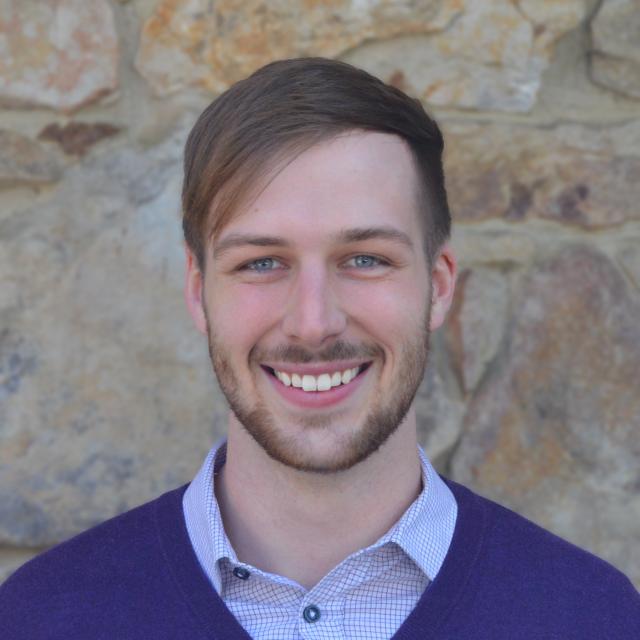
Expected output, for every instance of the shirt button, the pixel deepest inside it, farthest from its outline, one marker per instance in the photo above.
(241, 572)
(311, 613)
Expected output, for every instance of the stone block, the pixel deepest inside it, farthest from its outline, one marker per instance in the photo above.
(552, 431)
(573, 174)
(476, 54)
(106, 393)
(615, 58)
(25, 161)
(60, 54)
(439, 407)
(475, 326)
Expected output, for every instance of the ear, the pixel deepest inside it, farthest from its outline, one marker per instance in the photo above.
(443, 284)
(193, 291)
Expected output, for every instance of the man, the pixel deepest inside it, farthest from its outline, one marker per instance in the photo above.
(316, 226)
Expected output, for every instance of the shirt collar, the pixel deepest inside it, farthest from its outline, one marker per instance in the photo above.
(423, 532)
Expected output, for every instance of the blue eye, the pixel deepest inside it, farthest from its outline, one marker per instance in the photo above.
(262, 265)
(366, 262)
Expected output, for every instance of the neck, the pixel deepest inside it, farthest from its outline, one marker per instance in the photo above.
(301, 525)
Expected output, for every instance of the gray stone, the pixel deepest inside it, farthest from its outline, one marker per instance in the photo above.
(107, 396)
(629, 257)
(439, 407)
(552, 430)
(615, 60)
(476, 323)
(620, 75)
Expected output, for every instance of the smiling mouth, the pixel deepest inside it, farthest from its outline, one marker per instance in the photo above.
(320, 383)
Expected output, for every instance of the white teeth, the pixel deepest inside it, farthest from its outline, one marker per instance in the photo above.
(285, 379)
(323, 382)
(309, 383)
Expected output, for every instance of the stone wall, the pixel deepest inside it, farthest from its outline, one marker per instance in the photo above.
(532, 397)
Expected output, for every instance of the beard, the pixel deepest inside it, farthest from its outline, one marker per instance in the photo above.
(352, 445)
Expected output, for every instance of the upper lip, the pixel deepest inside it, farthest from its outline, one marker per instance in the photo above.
(315, 369)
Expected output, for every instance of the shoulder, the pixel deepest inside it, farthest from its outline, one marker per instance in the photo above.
(543, 577)
(103, 570)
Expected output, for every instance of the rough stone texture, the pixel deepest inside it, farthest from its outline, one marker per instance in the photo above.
(24, 161)
(56, 53)
(552, 431)
(481, 54)
(476, 322)
(489, 246)
(629, 257)
(439, 408)
(106, 396)
(76, 138)
(491, 56)
(572, 174)
(615, 60)
(211, 45)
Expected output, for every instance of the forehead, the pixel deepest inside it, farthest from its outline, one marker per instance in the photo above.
(357, 179)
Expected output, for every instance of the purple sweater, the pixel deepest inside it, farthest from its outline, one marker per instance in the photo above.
(136, 577)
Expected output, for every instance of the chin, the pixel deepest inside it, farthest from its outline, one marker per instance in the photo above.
(320, 445)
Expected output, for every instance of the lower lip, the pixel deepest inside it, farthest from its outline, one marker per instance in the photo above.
(317, 399)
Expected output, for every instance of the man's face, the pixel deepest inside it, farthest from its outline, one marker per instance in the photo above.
(322, 282)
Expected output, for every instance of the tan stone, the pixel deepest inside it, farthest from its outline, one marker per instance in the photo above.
(615, 59)
(572, 174)
(494, 55)
(498, 247)
(481, 54)
(552, 431)
(60, 54)
(24, 161)
(211, 45)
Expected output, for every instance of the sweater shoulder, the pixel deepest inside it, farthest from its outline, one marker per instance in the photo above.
(527, 570)
(108, 567)
(540, 550)
(80, 555)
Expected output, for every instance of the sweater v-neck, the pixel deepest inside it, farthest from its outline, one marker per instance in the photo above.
(429, 614)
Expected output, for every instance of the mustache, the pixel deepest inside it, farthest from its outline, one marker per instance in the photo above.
(339, 350)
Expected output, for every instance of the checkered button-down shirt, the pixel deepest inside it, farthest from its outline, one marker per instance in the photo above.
(368, 595)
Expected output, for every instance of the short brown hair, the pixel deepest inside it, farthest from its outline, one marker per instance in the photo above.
(284, 108)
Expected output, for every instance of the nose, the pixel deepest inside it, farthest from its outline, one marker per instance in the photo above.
(313, 313)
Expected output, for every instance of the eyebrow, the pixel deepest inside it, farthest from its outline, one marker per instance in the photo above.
(345, 236)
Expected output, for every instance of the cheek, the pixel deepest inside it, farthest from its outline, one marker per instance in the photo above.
(242, 316)
(389, 311)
